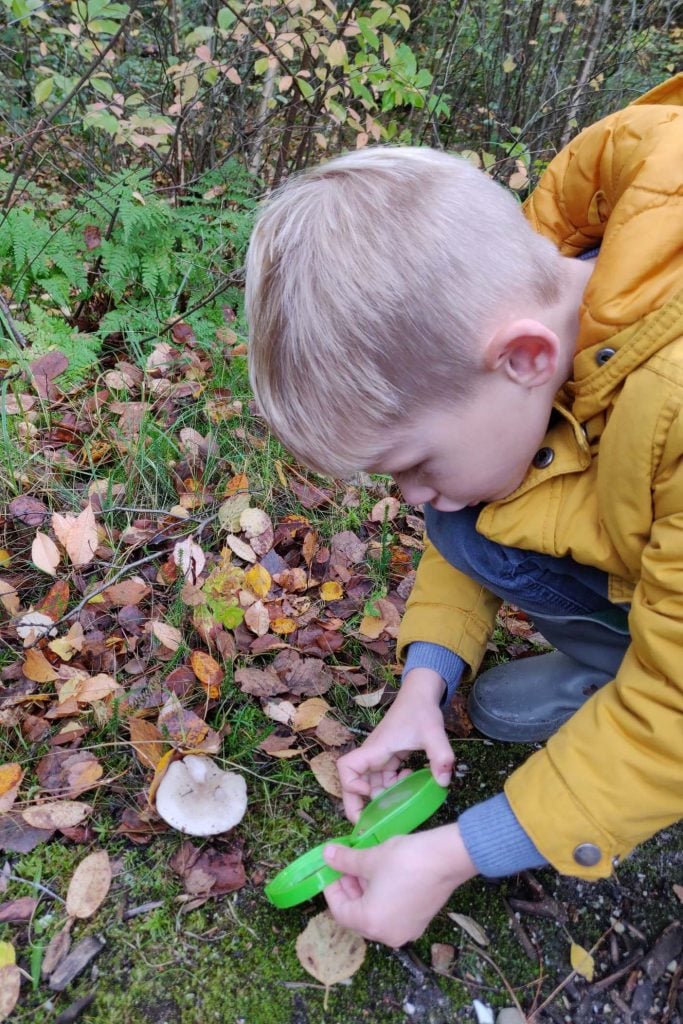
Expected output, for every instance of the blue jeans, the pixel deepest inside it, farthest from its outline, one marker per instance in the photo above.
(538, 584)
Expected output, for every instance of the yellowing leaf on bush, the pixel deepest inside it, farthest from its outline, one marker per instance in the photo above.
(331, 591)
(208, 672)
(258, 580)
(582, 962)
(89, 885)
(336, 54)
(328, 951)
(38, 668)
(78, 534)
(45, 553)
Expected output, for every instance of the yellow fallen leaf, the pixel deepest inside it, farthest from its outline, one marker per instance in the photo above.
(38, 668)
(309, 713)
(371, 626)
(7, 954)
(331, 591)
(582, 962)
(258, 580)
(208, 672)
(10, 779)
(283, 626)
(5, 558)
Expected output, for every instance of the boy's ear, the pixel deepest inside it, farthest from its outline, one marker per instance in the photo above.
(526, 350)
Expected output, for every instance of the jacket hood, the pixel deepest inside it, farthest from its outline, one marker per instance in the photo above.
(619, 185)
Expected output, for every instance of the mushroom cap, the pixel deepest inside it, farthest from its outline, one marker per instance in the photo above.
(197, 797)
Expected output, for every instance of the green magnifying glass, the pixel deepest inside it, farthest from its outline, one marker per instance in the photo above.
(395, 812)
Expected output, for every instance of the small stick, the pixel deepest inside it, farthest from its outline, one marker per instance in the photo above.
(14, 330)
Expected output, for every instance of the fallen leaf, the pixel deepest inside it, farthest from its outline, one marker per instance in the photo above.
(332, 733)
(89, 885)
(56, 950)
(328, 951)
(241, 548)
(371, 626)
(369, 700)
(38, 668)
(63, 814)
(208, 870)
(324, 767)
(34, 626)
(258, 580)
(189, 558)
(169, 636)
(582, 962)
(230, 512)
(309, 713)
(8, 954)
(469, 925)
(18, 911)
(678, 889)
(260, 682)
(45, 553)
(78, 534)
(208, 672)
(443, 956)
(10, 986)
(147, 741)
(130, 592)
(10, 780)
(282, 711)
(29, 510)
(386, 508)
(256, 618)
(331, 591)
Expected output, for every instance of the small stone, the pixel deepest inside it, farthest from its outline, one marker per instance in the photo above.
(484, 1013)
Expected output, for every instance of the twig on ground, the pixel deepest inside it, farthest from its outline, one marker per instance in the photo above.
(36, 885)
(11, 325)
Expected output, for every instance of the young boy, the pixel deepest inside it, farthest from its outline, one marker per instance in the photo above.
(521, 375)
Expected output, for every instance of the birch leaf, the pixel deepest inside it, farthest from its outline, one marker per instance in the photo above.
(582, 962)
(45, 553)
(89, 885)
(78, 534)
(329, 952)
(473, 929)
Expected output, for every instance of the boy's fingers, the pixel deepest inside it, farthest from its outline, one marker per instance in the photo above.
(441, 758)
(348, 912)
(353, 805)
(350, 862)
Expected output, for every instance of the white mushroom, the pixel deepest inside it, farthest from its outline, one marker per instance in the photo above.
(197, 797)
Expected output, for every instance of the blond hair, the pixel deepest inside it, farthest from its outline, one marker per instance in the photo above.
(370, 281)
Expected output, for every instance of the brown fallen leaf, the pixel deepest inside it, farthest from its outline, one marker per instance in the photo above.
(56, 950)
(130, 592)
(332, 733)
(29, 510)
(328, 951)
(78, 534)
(19, 910)
(257, 619)
(260, 682)
(55, 602)
(45, 553)
(18, 837)
(89, 885)
(386, 508)
(208, 870)
(147, 741)
(324, 767)
(169, 636)
(208, 672)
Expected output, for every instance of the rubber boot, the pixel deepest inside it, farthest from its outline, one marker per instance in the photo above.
(527, 700)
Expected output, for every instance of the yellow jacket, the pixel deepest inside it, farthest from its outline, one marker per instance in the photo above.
(612, 497)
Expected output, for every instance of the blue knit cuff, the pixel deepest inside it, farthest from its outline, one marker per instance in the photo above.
(495, 840)
(447, 663)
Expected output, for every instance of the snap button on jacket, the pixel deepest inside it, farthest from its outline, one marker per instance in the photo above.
(610, 497)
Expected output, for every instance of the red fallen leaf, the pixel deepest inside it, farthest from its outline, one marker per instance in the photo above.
(18, 910)
(260, 682)
(79, 834)
(18, 837)
(209, 871)
(456, 718)
(55, 601)
(92, 236)
(309, 494)
(180, 681)
(29, 510)
(182, 333)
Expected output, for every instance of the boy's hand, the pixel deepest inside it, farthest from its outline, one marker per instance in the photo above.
(390, 893)
(413, 722)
